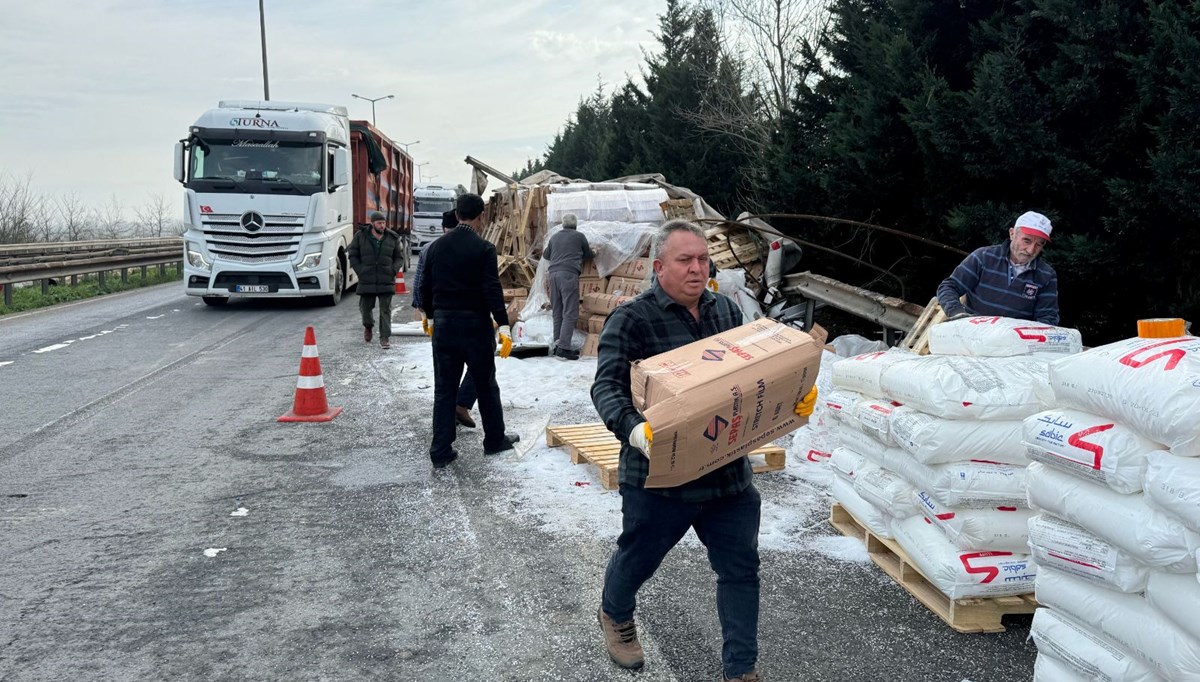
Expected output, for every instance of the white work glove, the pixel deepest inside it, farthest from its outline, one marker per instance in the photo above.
(641, 437)
(505, 341)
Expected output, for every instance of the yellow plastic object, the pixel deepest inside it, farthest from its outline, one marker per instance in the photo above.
(805, 407)
(649, 433)
(712, 285)
(1161, 328)
(505, 346)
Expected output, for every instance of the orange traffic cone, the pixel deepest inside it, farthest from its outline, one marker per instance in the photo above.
(310, 404)
(400, 288)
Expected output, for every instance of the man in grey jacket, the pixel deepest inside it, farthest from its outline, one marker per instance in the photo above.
(567, 250)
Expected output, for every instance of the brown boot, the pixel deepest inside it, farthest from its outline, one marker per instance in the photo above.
(622, 641)
(751, 676)
(367, 334)
(463, 416)
(384, 343)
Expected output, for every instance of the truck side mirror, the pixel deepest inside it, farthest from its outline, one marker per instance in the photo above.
(341, 167)
(179, 156)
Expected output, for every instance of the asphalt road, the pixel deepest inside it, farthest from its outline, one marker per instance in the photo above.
(133, 428)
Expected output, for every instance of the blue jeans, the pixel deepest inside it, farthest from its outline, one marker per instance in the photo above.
(728, 526)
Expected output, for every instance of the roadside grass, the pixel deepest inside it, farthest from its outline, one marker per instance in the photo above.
(88, 286)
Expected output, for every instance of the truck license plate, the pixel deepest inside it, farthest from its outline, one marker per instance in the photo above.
(252, 289)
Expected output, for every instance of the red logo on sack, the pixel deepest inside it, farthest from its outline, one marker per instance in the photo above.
(989, 573)
(1040, 338)
(1077, 440)
(984, 320)
(814, 455)
(1174, 355)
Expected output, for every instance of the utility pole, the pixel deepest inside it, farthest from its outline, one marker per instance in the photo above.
(372, 101)
(262, 28)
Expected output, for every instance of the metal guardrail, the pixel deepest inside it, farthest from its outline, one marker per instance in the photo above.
(53, 260)
(888, 311)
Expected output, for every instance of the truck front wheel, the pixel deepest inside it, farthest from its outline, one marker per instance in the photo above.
(338, 282)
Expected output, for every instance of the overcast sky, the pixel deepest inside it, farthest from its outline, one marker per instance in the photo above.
(94, 93)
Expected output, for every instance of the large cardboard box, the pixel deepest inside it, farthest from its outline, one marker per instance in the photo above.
(595, 323)
(603, 304)
(588, 268)
(715, 400)
(514, 309)
(591, 285)
(590, 345)
(636, 268)
(626, 286)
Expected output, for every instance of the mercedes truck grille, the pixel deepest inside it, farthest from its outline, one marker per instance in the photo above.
(252, 237)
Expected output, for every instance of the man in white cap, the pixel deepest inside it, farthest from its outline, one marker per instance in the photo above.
(1008, 279)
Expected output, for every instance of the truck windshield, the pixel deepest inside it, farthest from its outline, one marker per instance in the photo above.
(431, 205)
(247, 165)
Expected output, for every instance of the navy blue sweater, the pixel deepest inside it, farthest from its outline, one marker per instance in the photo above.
(991, 286)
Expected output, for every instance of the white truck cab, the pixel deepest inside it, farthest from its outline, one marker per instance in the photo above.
(267, 201)
(430, 202)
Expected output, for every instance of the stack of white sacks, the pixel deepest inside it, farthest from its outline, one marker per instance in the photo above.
(1116, 479)
(931, 452)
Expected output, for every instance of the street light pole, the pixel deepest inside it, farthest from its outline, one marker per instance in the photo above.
(262, 29)
(405, 144)
(372, 101)
(419, 170)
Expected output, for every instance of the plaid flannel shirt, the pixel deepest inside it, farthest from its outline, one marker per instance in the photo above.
(650, 324)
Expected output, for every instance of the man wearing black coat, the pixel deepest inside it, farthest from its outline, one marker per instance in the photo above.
(376, 256)
(461, 296)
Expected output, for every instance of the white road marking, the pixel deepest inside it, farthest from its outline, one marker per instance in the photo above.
(213, 551)
(241, 511)
(7, 362)
(155, 317)
(56, 346)
(64, 344)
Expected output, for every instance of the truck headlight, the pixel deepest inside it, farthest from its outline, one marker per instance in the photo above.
(196, 259)
(311, 260)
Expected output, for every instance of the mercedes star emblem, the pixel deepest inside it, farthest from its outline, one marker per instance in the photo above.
(252, 221)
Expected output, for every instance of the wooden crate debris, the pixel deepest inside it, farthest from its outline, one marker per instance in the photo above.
(515, 221)
(917, 338)
(964, 615)
(595, 444)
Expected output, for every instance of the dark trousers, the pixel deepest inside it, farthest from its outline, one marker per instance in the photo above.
(564, 306)
(366, 306)
(464, 339)
(466, 392)
(728, 526)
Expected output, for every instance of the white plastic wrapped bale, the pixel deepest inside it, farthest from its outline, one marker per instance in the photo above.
(1150, 536)
(959, 574)
(861, 373)
(866, 513)
(1087, 655)
(1127, 619)
(848, 462)
(874, 417)
(954, 387)
(1178, 597)
(999, 337)
(1150, 385)
(1071, 548)
(1088, 446)
(1173, 485)
(1047, 669)
(886, 490)
(933, 440)
(838, 403)
(969, 485)
(645, 206)
(1000, 529)
(864, 444)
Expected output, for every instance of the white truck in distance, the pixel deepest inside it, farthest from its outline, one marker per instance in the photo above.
(430, 202)
(273, 191)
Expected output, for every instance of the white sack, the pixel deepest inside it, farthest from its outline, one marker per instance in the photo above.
(1000, 529)
(886, 490)
(1085, 445)
(864, 512)
(849, 345)
(861, 373)
(873, 416)
(1173, 485)
(973, 485)
(956, 387)
(1126, 619)
(933, 440)
(1085, 653)
(1150, 536)
(838, 403)
(864, 444)
(1070, 548)
(958, 574)
(1150, 385)
(1178, 597)
(812, 444)
(1047, 669)
(848, 462)
(999, 337)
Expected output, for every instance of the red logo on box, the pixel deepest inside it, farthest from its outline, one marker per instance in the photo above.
(715, 427)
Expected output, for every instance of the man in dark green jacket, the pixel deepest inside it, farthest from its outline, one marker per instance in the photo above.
(376, 256)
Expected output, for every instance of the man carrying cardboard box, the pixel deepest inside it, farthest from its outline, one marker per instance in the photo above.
(722, 506)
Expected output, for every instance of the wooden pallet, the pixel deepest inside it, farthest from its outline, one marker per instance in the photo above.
(595, 444)
(917, 338)
(964, 615)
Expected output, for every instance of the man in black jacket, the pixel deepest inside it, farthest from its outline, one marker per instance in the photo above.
(376, 256)
(461, 295)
